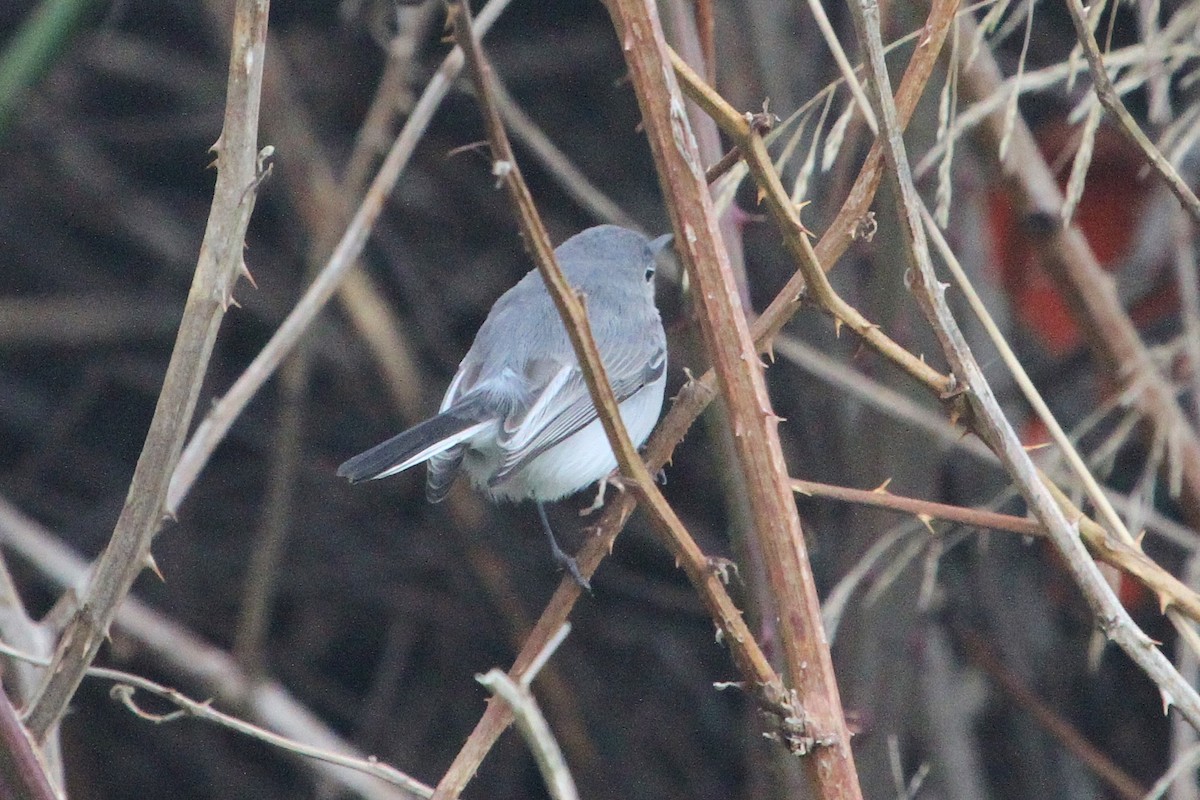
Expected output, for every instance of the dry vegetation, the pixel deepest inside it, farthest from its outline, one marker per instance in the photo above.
(1005, 622)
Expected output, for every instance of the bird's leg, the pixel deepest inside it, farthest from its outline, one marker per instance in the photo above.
(564, 561)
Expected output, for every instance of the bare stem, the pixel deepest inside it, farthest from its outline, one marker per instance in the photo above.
(695, 396)
(749, 657)
(988, 419)
(729, 344)
(1125, 122)
(218, 268)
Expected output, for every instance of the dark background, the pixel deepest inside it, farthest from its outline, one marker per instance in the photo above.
(386, 607)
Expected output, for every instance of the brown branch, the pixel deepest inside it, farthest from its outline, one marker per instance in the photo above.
(695, 396)
(218, 268)
(569, 303)
(1067, 734)
(23, 773)
(1126, 123)
(1171, 592)
(924, 509)
(728, 342)
(987, 418)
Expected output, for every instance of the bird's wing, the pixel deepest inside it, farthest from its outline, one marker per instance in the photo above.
(564, 407)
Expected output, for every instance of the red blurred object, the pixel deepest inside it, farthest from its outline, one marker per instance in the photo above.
(1113, 216)
(1109, 215)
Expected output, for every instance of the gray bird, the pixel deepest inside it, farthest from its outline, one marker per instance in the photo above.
(517, 418)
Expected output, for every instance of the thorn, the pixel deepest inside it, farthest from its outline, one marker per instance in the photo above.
(152, 565)
(263, 168)
(1164, 602)
(759, 196)
(501, 170)
(1167, 701)
(245, 273)
(1032, 448)
(798, 207)
(837, 327)
(927, 521)
(882, 488)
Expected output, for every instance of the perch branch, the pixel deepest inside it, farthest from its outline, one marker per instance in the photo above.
(570, 306)
(829, 763)
(695, 396)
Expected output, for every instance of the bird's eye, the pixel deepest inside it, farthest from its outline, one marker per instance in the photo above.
(649, 274)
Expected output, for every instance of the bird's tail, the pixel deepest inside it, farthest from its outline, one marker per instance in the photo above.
(419, 443)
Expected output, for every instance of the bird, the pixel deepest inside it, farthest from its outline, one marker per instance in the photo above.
(517, 418)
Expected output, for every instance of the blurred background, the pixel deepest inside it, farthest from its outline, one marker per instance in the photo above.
(967, 660)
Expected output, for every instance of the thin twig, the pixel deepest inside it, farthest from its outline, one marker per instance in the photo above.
(536, 732)
(926, 510)
(220, 418)
(1171, 592)
(1121, 782)
(532, 723)
(182, 654)
(239, 172)
(1126, 123)
(843, 63)
(128, 683)
(988, 418)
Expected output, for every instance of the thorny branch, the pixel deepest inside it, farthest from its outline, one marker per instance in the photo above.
(695, 396)
(239, 173)
(742, 643)
(988, 419)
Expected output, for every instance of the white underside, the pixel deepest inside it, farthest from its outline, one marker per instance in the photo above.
(571, 465)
